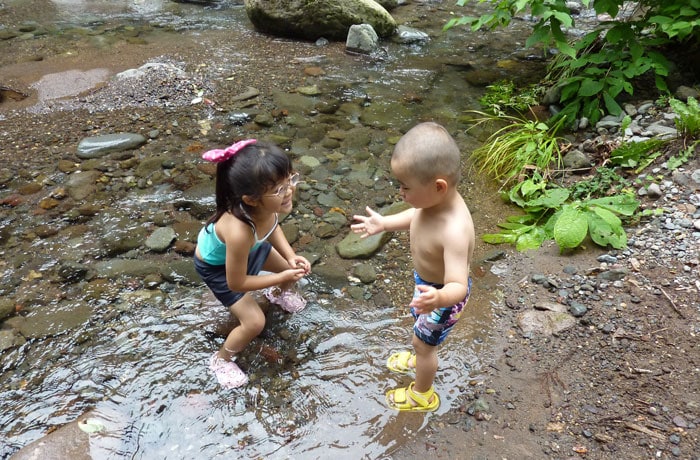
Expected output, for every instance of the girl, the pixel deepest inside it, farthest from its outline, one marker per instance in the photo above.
(254, 183)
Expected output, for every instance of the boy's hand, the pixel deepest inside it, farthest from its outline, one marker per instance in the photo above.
(368, 225)
(427, 301)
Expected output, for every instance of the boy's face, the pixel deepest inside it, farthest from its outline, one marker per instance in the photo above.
(412, 191)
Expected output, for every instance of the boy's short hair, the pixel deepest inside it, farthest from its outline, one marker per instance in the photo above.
(429, 152)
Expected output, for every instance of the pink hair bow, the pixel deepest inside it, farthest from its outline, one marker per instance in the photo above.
(219, 155)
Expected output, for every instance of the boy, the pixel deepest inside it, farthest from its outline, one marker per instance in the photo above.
(426, 163)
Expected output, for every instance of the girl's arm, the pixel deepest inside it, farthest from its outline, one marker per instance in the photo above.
(239, 240)
(279, 242)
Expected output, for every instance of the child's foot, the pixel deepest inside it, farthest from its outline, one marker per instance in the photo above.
(402, 362)
(228, 374)
(290, 300)
(408, 399)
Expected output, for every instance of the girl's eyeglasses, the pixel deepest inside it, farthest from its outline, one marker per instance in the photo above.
(293, 181)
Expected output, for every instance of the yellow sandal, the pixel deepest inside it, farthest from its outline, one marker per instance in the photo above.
(398, 362)
(401, 399)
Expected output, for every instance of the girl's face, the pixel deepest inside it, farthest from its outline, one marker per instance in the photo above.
(279, 197)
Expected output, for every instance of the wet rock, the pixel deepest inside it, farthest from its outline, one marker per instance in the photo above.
(71, 272)
(180, 271)
(9, 338)
(161, 239)
(324, 18)
(130, 267)
(361, 39)
(365, 272)
(48, 321)
(7, 307)
(406, 35)
(82, 184)
(99, 146)
(353, 246)
(544, 322)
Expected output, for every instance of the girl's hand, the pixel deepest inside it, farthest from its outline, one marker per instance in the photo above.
(369, 225)
(427, 301)
(300, 262)
(293, 275)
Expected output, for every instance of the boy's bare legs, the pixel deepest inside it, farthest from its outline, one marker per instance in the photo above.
(252, 322)
(426, 364)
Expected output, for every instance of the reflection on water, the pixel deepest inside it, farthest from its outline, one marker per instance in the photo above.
(139, 360)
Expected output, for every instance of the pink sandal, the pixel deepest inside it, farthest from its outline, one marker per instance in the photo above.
(290, 300)
(228, 374)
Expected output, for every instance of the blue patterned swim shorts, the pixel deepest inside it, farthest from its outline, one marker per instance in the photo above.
(432, 328)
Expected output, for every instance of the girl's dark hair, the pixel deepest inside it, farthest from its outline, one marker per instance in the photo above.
(251, 171)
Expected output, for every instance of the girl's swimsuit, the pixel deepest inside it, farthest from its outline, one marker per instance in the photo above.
(212, 266)
(213, 250)
(432, 328)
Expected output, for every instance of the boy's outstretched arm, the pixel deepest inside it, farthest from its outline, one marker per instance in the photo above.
(374, 223)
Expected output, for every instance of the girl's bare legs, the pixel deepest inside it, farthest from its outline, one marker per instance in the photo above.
(252, 323)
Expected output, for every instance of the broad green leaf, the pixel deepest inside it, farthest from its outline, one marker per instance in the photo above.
(604, 234)
(571, 228)
(530, 240)
(590, 87)
(620, 204)
(607, 215)
(611, 105)
(499, 238)
(552, 198)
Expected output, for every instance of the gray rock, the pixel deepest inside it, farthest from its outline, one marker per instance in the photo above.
(99, 146)
(322, 18)
(161, 239)
(365, 272)
(81, 184)
(408, 35)
(362, 39)
(7, 307)
(577, 161)
(48, 321)
(353, 246)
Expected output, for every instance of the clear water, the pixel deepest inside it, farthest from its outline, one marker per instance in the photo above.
(138, 365)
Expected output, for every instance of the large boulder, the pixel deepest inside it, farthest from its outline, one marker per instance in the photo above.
(313, 19)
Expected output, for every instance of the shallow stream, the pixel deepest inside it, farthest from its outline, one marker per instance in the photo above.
(318, 378)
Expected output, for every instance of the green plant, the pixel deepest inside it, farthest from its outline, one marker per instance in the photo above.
(503, 97)
(605, 182)
(518, 145)
(550, 215)
(637, 155)
(592, 72)
(688, 121)
(683, 156)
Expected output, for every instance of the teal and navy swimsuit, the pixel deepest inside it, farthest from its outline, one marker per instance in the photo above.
(212, 266)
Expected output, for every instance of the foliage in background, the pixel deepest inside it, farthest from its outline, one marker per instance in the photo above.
(502, 98)
(636, 155)
(551, 214)
(595, 70)
(688, 121)
(518, 145)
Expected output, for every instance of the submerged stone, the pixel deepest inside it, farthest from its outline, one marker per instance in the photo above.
(99, 146)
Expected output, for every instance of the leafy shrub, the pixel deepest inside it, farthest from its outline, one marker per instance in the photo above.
(518, 145)
(688, 121)
(637, 155)
(550, 215)
(502, 98)
(592, 73)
